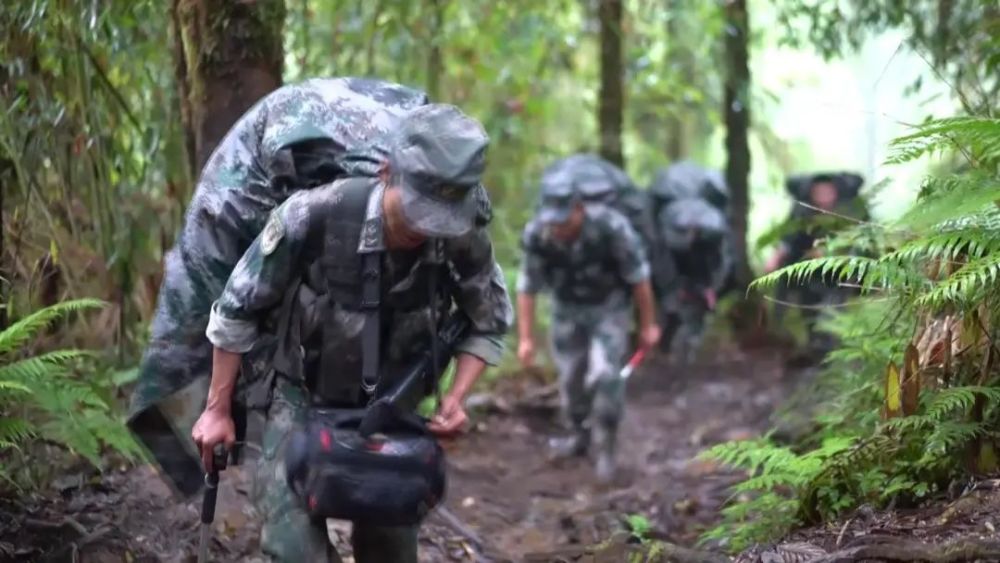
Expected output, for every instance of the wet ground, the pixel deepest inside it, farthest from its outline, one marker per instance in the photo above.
(506, 498)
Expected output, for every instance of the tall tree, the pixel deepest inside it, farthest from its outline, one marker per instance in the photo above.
(737, 119)
(230, 56)
(612, 95)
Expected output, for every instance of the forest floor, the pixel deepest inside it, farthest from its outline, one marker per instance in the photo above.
(507, 500)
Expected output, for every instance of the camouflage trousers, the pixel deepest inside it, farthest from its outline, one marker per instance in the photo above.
(288, 534)
(684, 321)
(588, 347)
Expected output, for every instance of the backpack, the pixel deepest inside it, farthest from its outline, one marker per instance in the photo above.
(598, 180)
(685, 180)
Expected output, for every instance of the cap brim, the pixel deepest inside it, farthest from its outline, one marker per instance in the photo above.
(550, 214)
(436, 218)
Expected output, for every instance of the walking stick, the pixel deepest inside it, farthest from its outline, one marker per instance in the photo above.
(208, 500)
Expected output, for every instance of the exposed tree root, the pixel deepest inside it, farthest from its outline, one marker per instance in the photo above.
(904, 550)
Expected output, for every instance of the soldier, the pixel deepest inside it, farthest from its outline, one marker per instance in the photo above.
(691, 205)
(298, 137)
(832, 204)
(299, 280)
(591, 259)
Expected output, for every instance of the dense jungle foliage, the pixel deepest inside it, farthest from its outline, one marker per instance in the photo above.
(96, 169)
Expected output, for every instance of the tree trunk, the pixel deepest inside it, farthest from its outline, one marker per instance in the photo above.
(435, 59)
(230, 56)
(612, 95)
(737, 118)
(677, 141)
(6, 171)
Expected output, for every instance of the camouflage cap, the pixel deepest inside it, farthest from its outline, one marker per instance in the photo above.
(438, 159)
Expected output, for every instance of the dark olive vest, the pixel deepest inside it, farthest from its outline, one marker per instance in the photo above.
(338, 369)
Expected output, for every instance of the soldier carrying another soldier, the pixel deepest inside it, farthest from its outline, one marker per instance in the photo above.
(338, 293)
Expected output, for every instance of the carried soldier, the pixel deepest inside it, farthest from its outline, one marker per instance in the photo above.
(695, 258)
(334, 297)
(591, 259)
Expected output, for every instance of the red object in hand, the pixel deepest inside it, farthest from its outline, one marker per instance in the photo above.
(633, 363)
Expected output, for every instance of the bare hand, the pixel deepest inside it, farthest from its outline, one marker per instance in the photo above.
(213, 428)
(450, 416)
(710, 299)
(773, 263)
(649, 336)
(526, 352)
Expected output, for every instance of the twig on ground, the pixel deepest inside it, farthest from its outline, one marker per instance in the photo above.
(454, 523)
(840, 536)
(66, 521)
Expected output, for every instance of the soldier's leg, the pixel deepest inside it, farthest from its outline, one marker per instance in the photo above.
(691, 317)
(288, 534)
(569, 351)
(374, 544)
(605, 355)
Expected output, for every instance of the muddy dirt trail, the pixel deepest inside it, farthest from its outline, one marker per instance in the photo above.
(504, 492)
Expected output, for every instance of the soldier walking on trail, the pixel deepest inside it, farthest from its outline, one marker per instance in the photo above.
(592, 261)
(691, 207)
(833, 203)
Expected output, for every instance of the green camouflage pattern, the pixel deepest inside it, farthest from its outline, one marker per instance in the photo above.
(590, 280)
(252, 300)
(589, 344)
(601, 265)
(298, 137)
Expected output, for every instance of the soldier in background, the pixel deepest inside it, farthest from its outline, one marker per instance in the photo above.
(592, 261)
(832, 203)
(695, 257)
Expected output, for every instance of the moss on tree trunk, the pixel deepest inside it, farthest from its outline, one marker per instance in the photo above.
(229, 56)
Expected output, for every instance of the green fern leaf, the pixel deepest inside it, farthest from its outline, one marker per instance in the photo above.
(20, 333)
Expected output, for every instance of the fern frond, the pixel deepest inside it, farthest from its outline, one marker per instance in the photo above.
(978, 134)
(952, 197)
(964, 286)
(947, 244)
(45, 365)
(13, 431)
(12, 387)
(18, 334)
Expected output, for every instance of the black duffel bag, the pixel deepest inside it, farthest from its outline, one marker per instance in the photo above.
(392, 478)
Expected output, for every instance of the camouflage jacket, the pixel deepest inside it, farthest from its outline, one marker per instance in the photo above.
(281, 267)
(298, 137)
(600, 265)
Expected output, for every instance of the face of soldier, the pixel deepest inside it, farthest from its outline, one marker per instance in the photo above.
(823, 195)
(569, 229)
(398, 234)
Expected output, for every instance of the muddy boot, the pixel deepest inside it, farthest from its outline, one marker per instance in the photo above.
(575, 445)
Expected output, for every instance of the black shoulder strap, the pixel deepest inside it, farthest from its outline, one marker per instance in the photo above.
(349, 213)
(371, 290)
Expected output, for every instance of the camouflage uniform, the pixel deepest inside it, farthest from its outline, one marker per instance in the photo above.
(696, 250)
(589, 280)
(281, 296)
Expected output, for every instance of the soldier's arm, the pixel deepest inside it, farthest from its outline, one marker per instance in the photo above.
(530, 281)
(256, 285)
(481, 293)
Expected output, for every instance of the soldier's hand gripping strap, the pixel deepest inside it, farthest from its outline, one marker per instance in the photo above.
(393, 478)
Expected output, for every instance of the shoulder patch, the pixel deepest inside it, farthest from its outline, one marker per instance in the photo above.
(274, 230)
